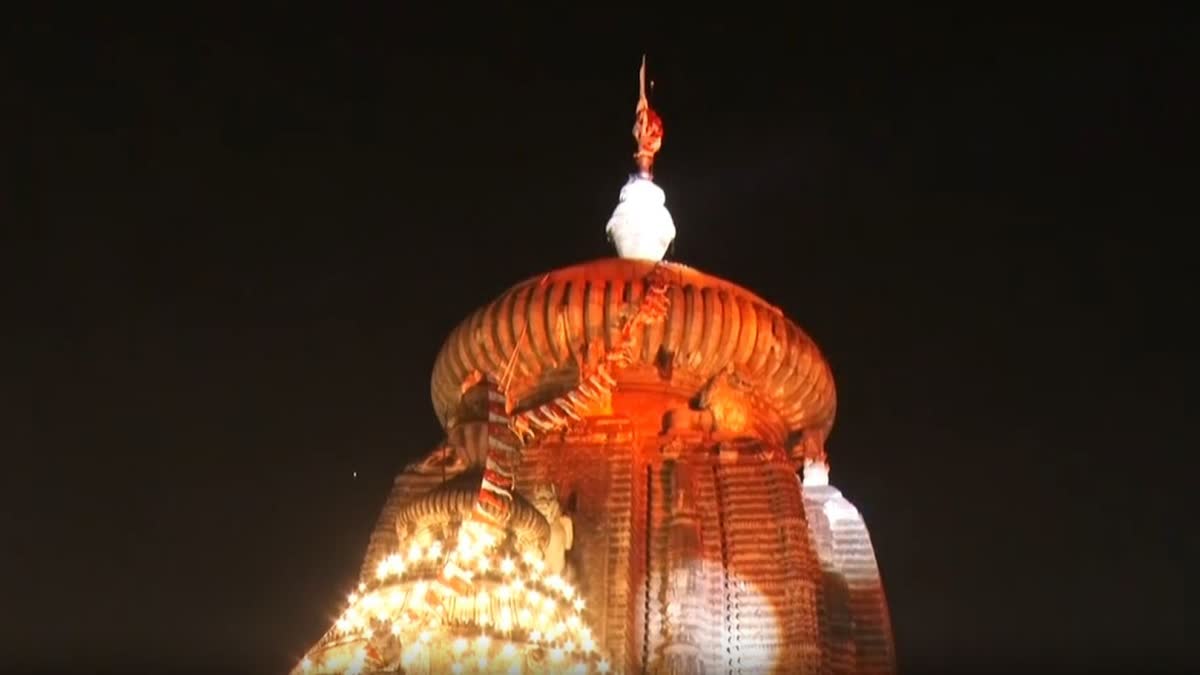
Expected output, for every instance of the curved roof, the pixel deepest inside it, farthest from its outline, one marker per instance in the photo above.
(711, 324)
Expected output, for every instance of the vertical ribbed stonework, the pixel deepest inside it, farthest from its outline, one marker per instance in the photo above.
(620, 519)
(797, 600)
(752, 569)
(619, 511)
(714, 636)
(657, 566)
(753, 558)
(683, 575)
(592, 466)
(722, 614)
(857, 629)
(770, 618)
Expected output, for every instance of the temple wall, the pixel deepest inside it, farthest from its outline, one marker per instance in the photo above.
(694, 556)
(770, 599)
(751, 601)
(592, 468)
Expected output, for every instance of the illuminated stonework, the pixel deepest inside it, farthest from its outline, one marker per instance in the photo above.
(516, 617)
(619, 490)
(692, 547)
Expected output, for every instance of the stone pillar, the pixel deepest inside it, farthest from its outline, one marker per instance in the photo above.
(681, 653)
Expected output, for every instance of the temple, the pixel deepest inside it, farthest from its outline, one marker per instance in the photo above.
(633, 479)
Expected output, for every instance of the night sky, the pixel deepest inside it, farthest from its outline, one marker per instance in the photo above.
(241, 240)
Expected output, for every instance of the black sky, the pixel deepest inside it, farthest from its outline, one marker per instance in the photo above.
(242, 239)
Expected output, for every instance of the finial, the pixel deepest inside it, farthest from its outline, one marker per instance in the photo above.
(647, 128)
(641, 227)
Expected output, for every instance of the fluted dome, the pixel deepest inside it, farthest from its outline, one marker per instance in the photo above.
(711, 325)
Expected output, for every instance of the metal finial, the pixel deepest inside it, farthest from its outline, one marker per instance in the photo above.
(647, 128)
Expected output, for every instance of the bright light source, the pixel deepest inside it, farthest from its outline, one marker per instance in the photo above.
(641, 227)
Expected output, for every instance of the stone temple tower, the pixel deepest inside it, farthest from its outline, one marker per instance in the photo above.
(633, 479)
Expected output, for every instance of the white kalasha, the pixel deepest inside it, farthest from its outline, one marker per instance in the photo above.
(641, 227)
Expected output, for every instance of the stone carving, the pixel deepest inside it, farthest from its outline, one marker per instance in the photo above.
(730, 398)
(724, 407)
(674, 447)
(683, 419)
(444, 459)
(562, 529)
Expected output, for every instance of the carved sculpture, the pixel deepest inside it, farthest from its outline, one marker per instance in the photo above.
(562, 529)
(729, 397)
(684, 419)
(723, 408)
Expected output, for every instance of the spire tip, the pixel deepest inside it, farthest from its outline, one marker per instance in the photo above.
(647, 128)
(641, 227)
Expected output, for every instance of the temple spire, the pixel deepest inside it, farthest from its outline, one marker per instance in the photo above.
(647, 129)
(641, 227)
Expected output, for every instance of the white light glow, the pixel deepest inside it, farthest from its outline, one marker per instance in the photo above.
(641, 227)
